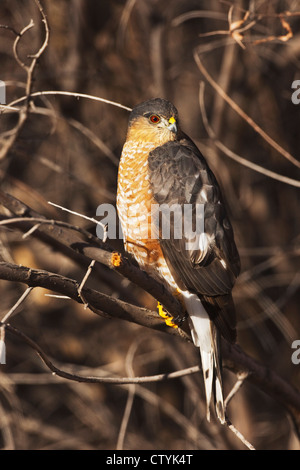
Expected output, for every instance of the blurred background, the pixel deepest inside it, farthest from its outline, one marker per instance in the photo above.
(127, 52)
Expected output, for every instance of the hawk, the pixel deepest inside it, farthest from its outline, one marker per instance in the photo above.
(161, 166)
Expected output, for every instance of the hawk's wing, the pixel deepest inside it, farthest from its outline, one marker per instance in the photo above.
(206, 263)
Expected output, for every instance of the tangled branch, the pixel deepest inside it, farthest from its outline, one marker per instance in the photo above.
(101, 304)
(23, 113)
(77, 164)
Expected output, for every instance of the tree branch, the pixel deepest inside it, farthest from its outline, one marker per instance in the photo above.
(24, 112)
(73, 243)
(235, 359)
(84, 247)
(99, 303)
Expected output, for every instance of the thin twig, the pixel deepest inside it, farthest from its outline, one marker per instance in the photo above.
(95, 139)
(16, 305)
(9, 28)
(94, 379)
(235, 28)
(234, 156)
(16, 43)
(54, 296)
(31, 231)
(131, 393)
(190, 15)
(242, 113)
(23, 114)
(68, 93)
(42, 221)
(91, 219)
(124, 21)
(240, 436)
(85, 278)
(241, 377)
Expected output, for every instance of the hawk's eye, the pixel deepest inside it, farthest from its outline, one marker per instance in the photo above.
(154, 119)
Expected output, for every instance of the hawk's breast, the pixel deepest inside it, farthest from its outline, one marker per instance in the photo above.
(134, 201)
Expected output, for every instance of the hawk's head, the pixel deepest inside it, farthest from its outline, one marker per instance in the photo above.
(155, 120)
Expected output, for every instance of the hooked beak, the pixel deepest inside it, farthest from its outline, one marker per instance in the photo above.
(172, 125)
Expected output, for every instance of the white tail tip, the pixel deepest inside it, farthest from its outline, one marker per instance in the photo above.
(2, 352)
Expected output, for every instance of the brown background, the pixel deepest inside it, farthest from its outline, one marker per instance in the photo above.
(128, 52)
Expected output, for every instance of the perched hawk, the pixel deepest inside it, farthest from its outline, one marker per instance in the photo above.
(161, 167)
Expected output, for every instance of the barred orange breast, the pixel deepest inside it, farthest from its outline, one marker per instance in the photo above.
(134, 201)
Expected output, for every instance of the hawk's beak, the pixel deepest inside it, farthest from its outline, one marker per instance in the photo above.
(172, 125)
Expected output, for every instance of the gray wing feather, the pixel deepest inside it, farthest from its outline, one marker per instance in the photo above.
(207, 264)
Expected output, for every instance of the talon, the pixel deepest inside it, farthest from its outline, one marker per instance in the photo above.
(161, 311)
(170, 322)
(166, 316)
(116, 259)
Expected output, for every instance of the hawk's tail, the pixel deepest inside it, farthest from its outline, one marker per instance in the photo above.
(205, 336)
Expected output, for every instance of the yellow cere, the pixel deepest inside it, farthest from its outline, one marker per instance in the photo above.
(172, 120)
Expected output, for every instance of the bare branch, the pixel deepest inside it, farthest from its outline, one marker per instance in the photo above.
(242, 113)
(68, 93)
(71, 244)
(240, 436)
(91, 219)
(89, 270)
(234, 156)
(23, 114)
(16, 43)
(94, 379)
(9, 314)
(241, 377)
(99, 303)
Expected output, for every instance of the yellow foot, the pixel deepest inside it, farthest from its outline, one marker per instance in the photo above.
(116, 259)
(165, 315)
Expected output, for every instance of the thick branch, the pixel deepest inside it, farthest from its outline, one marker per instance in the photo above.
(98, 302)
(72, 244)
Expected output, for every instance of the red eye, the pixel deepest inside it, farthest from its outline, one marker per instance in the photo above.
(154, 118)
